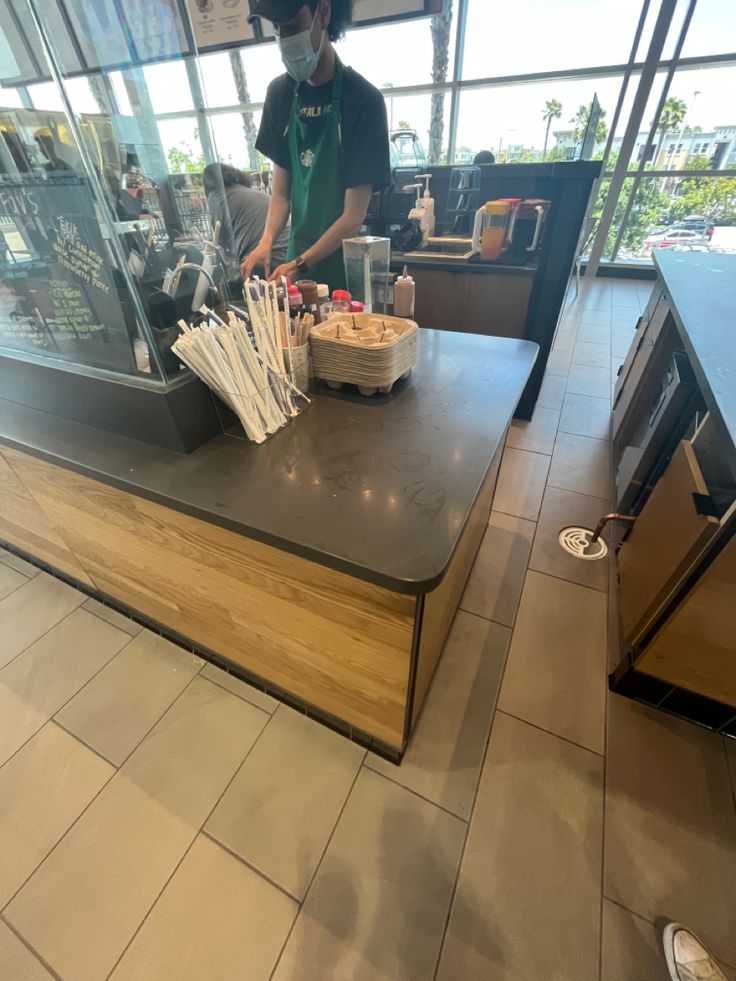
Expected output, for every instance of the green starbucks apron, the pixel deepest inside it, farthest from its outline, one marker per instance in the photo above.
(317, 183)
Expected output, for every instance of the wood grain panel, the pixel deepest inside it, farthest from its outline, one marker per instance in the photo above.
(441, 604)
(339, 643)
(491, 304)
(696, 648)
(23, 524)
(667, 535)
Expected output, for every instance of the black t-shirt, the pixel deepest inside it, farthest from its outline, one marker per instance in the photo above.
(364, 126)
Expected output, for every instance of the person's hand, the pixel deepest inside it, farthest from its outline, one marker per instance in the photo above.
(288, 269)
(260, 256)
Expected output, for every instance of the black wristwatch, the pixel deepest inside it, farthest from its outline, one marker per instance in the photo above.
(302, 266)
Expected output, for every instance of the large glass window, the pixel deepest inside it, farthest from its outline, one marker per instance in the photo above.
(538, 36)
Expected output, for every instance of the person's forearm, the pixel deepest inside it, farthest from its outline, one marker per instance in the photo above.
(346, 226)
(278, 215)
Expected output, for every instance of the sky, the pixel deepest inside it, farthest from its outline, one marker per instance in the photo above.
(566, 33)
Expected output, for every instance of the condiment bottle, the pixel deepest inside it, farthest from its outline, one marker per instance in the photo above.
(308, 289)
(341, 301)
(404, 295)
(325, 305)
(295, 299)
(356, 307)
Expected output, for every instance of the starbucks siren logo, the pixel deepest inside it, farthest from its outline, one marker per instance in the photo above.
(307, 158)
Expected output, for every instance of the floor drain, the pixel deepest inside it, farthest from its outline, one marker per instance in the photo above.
(576, 541)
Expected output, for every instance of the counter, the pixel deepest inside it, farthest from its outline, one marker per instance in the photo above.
(327, 564)
(674, 447)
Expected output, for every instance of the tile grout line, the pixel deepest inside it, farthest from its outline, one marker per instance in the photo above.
(54, 721)
(48, 631)
(16, 588)
(349, 794)
(249, 865)
(153, 725)
(29, 947)
(415, 793)
(116, 770)
(548, 732)
(198, 831)
(74, 695)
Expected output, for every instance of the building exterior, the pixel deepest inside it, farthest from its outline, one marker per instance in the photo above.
(672, 153)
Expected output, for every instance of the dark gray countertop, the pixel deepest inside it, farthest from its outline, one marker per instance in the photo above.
(379, 489)
(702, 287)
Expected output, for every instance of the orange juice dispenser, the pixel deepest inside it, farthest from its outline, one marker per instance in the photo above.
(489, 231)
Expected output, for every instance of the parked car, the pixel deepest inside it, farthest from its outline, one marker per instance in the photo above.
(675, 237)
(696, 225)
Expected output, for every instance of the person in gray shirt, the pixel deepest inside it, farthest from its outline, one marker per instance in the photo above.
(241, 210)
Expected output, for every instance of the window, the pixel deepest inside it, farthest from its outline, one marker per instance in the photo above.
(168, 87)
(537, 35)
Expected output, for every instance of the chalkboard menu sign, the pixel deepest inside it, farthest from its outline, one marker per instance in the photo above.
(57, 294)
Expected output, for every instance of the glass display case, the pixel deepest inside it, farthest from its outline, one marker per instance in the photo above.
(99, 240)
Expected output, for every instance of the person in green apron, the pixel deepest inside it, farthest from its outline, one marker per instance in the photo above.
(324, 128)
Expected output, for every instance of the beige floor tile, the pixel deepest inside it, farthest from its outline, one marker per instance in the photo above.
(119, 706)
(583, 415)
(584, 380)
(670, 823)
(592, 355)
(19, 564)
(496, 580)
(216, 920)
(30, 611)
(83, 905)
(537, 435)
(10, 580)
(623, 324)
(595, 333)
(597, 315)
(17, 963)
(44, 789)
(558, 362)
(620, 347)
(560, 509)
(527, 906)
(36, 684)
(445, 754)
(555, 675)
(581, 464)
(113, 617)
(632, 947)
(521, 482)
(282, 806)
(552, 392)
(240, 688)
(565, 338)
(378, 904)
(731, 757)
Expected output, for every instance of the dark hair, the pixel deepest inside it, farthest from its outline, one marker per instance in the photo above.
(484, 157)
(340, 18)
(214, 176)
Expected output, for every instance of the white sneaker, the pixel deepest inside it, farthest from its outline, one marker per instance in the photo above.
(687, 958)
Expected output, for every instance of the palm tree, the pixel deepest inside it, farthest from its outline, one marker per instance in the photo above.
(673, 112)
(580, 123)
(441, 27)
(249, 126)
(552, 110)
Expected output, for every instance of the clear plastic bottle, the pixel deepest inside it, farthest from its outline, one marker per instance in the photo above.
(325, 304)
(341, 301)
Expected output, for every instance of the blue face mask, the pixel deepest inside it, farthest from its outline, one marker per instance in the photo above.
(299, 57)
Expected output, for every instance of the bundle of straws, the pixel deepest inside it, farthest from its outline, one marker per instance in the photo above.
(247, 372)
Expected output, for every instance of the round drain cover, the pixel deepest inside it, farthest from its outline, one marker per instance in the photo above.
(576, 541)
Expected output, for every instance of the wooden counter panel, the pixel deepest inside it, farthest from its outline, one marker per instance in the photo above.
(23, 524)
(337, 642)
(696, 647)
(441, 604)
(469, 302)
